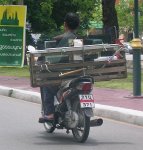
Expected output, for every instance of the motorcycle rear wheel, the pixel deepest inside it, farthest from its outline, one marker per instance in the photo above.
(81, 132)
(49, 128)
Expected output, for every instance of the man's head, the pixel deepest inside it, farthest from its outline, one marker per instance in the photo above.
(71, 21)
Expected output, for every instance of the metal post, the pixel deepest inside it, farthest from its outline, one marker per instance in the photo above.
(136, 44)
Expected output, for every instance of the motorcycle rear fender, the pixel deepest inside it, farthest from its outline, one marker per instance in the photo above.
(88, 112)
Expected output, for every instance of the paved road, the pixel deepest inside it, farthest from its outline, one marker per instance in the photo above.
(20, 131)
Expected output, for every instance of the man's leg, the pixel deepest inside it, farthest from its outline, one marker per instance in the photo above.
(47, 96)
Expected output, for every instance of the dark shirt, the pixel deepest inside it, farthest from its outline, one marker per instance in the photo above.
(64, 42)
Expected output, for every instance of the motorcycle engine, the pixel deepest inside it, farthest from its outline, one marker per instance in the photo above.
(71, 119)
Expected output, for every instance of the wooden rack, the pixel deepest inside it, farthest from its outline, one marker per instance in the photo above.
(55, 65)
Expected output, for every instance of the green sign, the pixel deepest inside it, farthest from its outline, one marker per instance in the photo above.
(12, 35)
(95, 24)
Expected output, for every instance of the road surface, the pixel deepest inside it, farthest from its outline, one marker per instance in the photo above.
(20, 130)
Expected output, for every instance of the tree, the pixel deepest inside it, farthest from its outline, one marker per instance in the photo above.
(46, 15)
(125, 10)
(4, 2)
(60, 8)
(39, 14)
(110, 20)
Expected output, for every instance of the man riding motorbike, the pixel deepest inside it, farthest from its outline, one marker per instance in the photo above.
(71, 23)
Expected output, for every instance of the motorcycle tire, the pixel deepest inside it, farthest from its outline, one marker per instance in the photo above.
(81, 132)
(49, 128)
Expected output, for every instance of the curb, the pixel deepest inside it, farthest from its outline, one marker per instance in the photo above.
(115, 113)
(119, 114)
(26, 95)
(20, 94)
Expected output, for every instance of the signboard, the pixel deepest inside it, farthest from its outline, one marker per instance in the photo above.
(95, 24)
(12, 35)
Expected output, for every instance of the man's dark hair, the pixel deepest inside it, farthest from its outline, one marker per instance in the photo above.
(72, 20)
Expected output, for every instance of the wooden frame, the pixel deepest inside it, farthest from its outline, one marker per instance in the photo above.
(76, 61)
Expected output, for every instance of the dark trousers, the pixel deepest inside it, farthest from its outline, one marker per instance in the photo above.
(47, 96)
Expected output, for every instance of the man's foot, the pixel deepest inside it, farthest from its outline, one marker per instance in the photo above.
(48, 118)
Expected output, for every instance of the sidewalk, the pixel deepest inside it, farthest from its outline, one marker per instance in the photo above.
(111, 103)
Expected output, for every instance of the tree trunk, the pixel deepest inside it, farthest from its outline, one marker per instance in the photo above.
(110, 20)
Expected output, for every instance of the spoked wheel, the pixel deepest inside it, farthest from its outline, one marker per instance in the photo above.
(81, 132)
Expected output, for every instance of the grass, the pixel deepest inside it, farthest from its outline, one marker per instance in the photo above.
(15, 71)
(126, 83)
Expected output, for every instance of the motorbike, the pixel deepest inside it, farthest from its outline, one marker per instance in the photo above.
(74, 108)
(74, 103)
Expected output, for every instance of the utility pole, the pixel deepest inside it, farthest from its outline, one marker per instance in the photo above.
(136, 44)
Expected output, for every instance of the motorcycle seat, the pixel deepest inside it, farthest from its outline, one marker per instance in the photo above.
(75, 81)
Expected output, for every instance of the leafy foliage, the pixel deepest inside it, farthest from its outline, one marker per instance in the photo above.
(39, 14)
(4, 2)
(126, 14)
(47, 15)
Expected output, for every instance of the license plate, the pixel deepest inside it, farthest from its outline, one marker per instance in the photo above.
(87, 101)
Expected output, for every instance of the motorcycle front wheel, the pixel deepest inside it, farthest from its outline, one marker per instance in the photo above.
(81, 132)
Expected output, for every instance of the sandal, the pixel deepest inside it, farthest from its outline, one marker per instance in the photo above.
(49, 118)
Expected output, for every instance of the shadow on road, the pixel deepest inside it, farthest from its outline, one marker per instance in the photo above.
(60, 138)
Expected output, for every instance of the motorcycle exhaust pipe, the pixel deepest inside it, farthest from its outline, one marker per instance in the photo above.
(96, 122)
